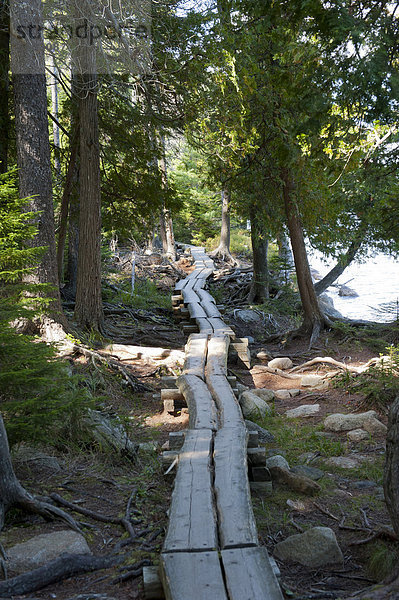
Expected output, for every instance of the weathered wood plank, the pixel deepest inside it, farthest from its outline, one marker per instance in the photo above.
(249, 575)
(230, 414)
(210, 309)
(196, 311)
(205, 296)
(220, 327)
(201, 406)
(204, 326)
(180, 285)
(218, 349)
(233, 498)
(195, 359)
(190, 296)
(192, 520)
(192, 576)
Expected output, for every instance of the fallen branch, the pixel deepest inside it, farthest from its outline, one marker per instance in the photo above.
(274, 371)
(57, 570)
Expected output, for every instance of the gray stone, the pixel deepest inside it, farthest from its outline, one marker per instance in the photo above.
(314, 381)
(306, 471)
(32, 458)
(274, 451)
(252, 406)
(286, 394)
(327, 306)
(344, 290)
(277, 461)
(364, 485)
(304, 411)
(250, 339)
(241, 388)
(280, 363)
(248, 316)
(43, 548)
(357, 435)
(314, 548)
(264, 436)
(263, 355)
(346, 462)
(348, 422)
(265, 394)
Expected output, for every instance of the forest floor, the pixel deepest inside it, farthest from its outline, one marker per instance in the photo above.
(350, 501)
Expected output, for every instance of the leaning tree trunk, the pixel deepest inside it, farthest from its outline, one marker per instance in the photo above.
(4, 82)
(313, 317)
(223, 250)
(343, 262)
(89, 312)
(260, 281)
(33, 152)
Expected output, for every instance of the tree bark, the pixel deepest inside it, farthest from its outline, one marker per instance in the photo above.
(88, 308)
(4, 82)
(260, 281)
(165, 221)
(391, 471)
(223, 250)
(313, 317)
(33, 148)
(343, 262)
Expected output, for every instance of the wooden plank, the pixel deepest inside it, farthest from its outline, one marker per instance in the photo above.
(205, 296)
(218, 349)
(195, 359)
(204, 326)
(233, 498)
(220, 327)
(210, 309)
(180, 285)
(190, 296)
(192, 519)
(201, 406)
(196, 311)
(192, 576)
(249, 575)
(230, 414)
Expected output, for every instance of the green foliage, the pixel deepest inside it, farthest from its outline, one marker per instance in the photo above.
(382, 561)
(39, 399)
(240, 243)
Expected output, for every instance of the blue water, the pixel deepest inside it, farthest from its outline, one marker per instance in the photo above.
(376, 280)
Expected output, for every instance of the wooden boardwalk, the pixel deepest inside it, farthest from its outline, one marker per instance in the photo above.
(211, 550)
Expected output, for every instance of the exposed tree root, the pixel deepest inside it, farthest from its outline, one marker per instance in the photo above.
(57, 570)
(331, 361)
(223, 253)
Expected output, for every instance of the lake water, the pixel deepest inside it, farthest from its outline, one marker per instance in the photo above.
(376, 280)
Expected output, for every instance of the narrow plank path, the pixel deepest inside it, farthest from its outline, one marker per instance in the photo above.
(211, 550)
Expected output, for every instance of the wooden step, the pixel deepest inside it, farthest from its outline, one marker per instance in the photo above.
(201, 406)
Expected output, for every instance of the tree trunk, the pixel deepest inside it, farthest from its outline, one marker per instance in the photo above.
(71, 274)
(88, 308)
(4, 82)
(56, 129)
(13, 494)
(65, 201)
(33, 147)
(165, 221)
(313, 317)
(343, 262)
(260, 282)
(223, 250)
(391, 471)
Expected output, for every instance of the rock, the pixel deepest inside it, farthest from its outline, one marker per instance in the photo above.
(250, 339)
(308, 457)
(265, 394)
(149, 447)
(286, 394)
(357, 435)
(280, 363)
(346, 462)
(367, 421)
(314, 381)
(327, 306)
(295, 482)
(253, 406)
(43, 548)
(306, 471)
(277, 461)
(264, 436)
(261, 487)
(248, 316)
(297, 505)
(241, 388)
(306, 410)
(110, 433)
(364, 485)
(32, 458)
(346, 291)
(92, 596)
(263, 355)
(314, 548)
